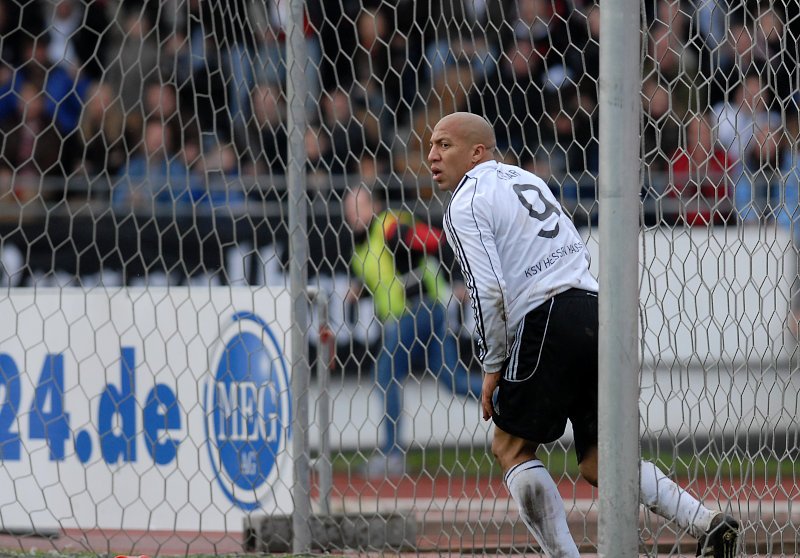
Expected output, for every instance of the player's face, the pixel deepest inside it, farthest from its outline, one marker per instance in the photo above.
(449, 156)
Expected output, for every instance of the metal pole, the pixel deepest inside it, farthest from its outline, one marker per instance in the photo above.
(324, 361)
(619, 186)
(296, 91)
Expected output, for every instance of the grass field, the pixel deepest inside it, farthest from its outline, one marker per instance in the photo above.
(472, 461)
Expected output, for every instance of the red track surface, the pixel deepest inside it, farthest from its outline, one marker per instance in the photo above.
(423, 486)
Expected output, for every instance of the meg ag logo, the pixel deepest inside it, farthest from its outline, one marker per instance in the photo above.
(248, 412)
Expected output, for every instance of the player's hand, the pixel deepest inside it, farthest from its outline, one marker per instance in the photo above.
(490, 383)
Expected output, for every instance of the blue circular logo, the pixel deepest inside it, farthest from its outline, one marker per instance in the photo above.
(247, 410)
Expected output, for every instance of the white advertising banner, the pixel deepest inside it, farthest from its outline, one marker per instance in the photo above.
(714, 295)
(159, 409)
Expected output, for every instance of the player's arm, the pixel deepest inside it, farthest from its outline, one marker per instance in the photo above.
(469, 231)
(490, 383)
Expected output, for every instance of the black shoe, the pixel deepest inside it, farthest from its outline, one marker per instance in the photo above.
(720, 539)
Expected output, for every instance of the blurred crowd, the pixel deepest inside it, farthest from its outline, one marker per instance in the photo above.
(159, 100)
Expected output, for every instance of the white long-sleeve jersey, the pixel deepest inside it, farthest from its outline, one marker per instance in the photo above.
(517, 248)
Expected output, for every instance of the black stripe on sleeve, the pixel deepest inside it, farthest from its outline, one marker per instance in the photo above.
(469, 278)
(494, 272)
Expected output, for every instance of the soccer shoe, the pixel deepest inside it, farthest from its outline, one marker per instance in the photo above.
(720, 539)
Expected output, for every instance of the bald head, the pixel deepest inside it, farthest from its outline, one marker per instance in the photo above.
(460, 141)
(473, 127)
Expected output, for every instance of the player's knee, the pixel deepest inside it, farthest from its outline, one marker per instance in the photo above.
(588, 466)
(498, 450)
(509, 450)
(588, 472)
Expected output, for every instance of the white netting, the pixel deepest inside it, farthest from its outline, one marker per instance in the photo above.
(144, 257)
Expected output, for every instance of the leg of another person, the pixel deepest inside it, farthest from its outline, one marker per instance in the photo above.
(444, 361)
(391, 369)
(240, 68)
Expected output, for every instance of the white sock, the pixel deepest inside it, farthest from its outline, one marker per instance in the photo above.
(661, 495)
(541, 508)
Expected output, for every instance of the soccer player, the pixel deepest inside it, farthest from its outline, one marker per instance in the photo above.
(535, 305)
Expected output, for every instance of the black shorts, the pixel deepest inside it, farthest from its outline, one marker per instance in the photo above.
(551, 375)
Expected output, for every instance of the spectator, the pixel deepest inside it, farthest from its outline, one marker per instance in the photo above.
(271, 68)
(775, 44)
(337, 37)
(102, 126)
(765, 186)
(63, 95)
(494, 16)
(268, 141)
(196, 76)
(735, 119)
(155, 177)
(215, 177)
(708, 19)
(661, 131)
(400, 34)
(673, 14)
(536, 19)
(249, 44)
(234, 45)
(7, 193)
(137, 61)
(79, 37)
(570, 135)
(160, 100)
(733, 61)
(589, 71)
(318, 147)
(33, 148)
(349, 138)
(759, 43)
(380, 65)
(699, 177)
(675, 67)
(269, 133)
(19, 23)
(557, 32)
(395, 260)
(788, 210)
(511, 98)
(449, 91)
(188, 44)
(451, 34)
(6, 52)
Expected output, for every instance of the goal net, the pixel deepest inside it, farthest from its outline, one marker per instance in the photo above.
(146, 401)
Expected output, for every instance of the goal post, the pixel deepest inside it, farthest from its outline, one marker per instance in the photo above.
(619, 184)
(296, 90)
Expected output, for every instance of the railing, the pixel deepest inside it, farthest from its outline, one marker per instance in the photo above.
(72, 228)
(266, 195)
